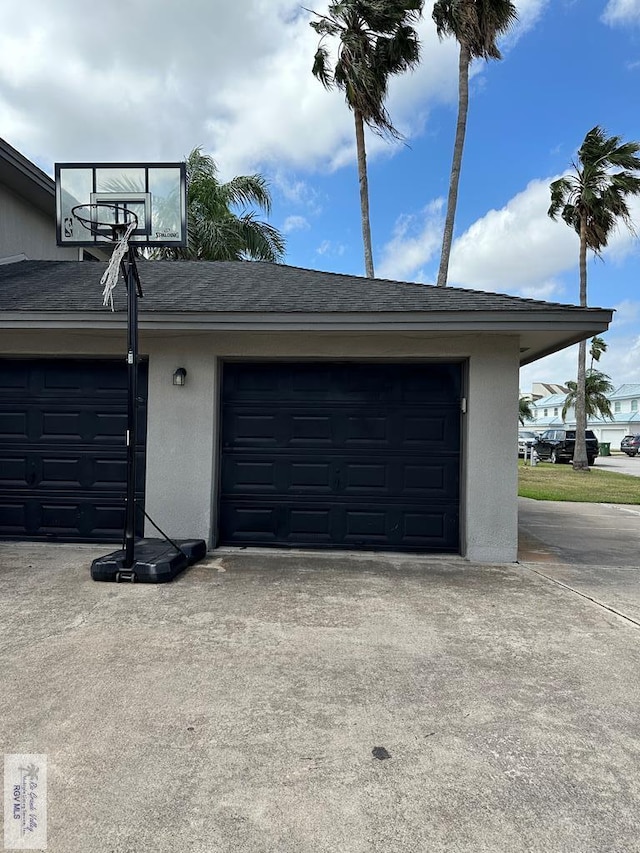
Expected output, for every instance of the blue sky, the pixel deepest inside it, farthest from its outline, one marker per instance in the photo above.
(235, 78)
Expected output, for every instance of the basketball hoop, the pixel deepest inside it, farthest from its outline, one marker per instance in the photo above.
(117, 228)
(128, 206)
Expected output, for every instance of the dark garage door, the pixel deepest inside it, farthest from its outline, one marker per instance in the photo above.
(341, 455)
(62, 448)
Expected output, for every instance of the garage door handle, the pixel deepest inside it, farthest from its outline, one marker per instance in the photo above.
(31, 477)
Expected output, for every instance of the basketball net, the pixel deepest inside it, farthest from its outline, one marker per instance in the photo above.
(110, 276)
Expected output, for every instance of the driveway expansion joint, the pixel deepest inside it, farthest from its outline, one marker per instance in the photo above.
(601, 604)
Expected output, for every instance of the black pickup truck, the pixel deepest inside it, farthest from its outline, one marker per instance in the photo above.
(557, 445)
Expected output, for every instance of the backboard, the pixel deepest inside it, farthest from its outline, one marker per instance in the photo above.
(155, 192)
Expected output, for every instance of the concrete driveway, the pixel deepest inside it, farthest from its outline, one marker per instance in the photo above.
(593, 548)
(620, 463)
(238, 708)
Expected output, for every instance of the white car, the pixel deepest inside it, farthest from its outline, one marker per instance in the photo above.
(525, 440)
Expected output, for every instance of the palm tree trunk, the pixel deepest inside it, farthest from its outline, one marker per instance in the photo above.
(580, 461)
(456, 163)
(364, 194)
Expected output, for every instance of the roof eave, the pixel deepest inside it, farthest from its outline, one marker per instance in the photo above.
(541, 332)
(25, 178)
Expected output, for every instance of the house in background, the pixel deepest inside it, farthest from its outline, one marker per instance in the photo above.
(546, 389)
(625, 402)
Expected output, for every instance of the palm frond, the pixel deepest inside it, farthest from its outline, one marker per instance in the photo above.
(376, 40)
(561, 191)
(476, 24)
(596, 195)
(597, 386)
(320, 68)
(247, 190)
(215, 231)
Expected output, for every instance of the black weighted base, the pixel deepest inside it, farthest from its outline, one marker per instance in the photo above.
(155, 561)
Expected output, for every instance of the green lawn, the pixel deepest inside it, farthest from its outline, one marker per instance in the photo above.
(546, 482)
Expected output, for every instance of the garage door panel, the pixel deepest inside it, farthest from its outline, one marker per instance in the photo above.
(355, 428)
(60, 518)
(346, 455)
(62, 427)
(82, 519)
(13, 425)
(429, 431)
(391, 478)
(77, 379)
(367, 431)
(340, 524)
(251, 522)
(13, 470)
(250, 427)
(59, 425)
(356, 455)
(342, 381)
(309, 476)
(59, 470)
(13, 518)
(314, 428)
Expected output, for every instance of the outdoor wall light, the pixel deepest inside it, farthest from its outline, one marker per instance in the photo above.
(180, 376)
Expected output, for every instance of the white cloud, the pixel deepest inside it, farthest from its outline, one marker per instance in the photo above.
(327, 247)
(295, 223)
(627, 312)
(622, 12)
(517, 249)
(628, 357)
(520, 249)
(516, 246)
(549, 290)
(529, 12)
(232, 77)
(415, 240)
(556, 368)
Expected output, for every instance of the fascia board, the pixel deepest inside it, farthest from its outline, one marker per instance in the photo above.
(585, 321)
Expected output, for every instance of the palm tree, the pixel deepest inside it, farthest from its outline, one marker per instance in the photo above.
(476, 25)
(216, 231)
(592, 200)
(596, 402)
(597, 348)
(376, 40)
(525, 411)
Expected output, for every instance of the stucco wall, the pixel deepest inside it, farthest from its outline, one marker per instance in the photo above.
(491, 475)
(24, 230)
(182, 438)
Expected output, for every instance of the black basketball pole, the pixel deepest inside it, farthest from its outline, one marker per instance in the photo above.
(156, 560)
(132, 407)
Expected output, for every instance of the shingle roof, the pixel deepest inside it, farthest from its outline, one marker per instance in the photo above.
(240, 286)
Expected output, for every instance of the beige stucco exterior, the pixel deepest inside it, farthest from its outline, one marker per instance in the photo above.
(183, 428)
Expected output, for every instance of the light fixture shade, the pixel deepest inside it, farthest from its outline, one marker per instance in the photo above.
(180, 376)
